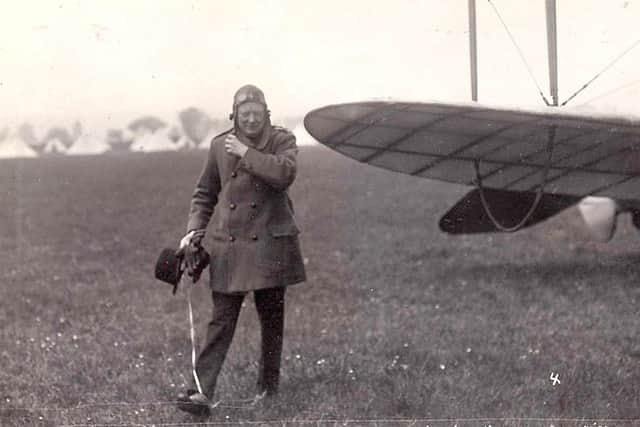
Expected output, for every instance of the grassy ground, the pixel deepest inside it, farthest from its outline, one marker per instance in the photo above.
(397, 322)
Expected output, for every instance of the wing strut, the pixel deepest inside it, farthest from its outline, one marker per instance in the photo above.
(539, 193)
(473, 50)
(552, 49)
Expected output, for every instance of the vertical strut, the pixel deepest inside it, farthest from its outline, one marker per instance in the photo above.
(552, 49)
(473, 50)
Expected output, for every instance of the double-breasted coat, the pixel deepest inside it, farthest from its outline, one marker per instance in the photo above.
(252, 234)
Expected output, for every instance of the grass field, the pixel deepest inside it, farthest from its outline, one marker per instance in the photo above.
(398, 323)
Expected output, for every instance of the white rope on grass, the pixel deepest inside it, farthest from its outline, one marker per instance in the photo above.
(228, 404)
(193, 334)
(236, 404)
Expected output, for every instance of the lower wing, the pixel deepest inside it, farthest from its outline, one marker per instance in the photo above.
(509, 155)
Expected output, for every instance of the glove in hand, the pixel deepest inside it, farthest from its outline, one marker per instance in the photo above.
(195, 257)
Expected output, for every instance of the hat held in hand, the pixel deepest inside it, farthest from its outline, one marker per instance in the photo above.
(169, 268)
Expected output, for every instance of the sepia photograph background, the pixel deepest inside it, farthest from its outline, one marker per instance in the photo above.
(106, 113)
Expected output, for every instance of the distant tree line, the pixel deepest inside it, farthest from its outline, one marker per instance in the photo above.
(193, 127)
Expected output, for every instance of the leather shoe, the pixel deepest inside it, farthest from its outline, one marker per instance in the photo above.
(193, 402)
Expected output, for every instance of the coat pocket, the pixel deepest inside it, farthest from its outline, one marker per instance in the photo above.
(279, 249)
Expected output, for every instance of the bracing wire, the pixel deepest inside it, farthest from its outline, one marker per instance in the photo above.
(607, 67)
(612, 91)
(524, 60)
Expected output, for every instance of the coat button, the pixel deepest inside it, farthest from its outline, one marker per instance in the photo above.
(254, 205)
(254, 237)
(232, 239)
(232, 206)
(234, 174)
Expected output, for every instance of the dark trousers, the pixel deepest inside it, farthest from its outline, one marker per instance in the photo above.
(226, 309)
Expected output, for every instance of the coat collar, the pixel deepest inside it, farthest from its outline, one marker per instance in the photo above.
(261, 143)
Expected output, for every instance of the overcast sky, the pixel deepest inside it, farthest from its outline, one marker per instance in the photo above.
(104, 61)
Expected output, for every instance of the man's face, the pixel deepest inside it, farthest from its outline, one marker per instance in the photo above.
(251, 118)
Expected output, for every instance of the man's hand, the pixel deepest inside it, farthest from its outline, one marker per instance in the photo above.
(191, 256)
(233, 146)
(196, 258)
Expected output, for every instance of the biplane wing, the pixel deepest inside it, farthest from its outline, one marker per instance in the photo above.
(526, 165)
(508, 154)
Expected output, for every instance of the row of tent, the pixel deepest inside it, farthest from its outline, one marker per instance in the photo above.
(146, 141)
(87, 144)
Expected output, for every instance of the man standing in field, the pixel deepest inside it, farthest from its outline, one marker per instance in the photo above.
(242, 191)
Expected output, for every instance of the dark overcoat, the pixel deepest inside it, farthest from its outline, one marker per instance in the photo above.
(252, 234)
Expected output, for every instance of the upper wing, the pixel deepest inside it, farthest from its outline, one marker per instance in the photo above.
(590, 155)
